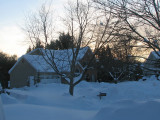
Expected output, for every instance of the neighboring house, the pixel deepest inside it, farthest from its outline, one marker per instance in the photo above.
(32, 67)
(152, 64)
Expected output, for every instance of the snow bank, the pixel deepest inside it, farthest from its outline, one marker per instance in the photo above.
(40, 112)
(140, 111)
(124, 101)
(1, 110)
(8, 99)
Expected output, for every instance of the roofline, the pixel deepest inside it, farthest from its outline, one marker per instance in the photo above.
(22, 57)
(15, 65)
(34, 51)
(29, 63)
(54, 50)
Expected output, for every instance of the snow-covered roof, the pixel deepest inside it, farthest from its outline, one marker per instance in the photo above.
(62, 58)
(40, 64)
(62, 54)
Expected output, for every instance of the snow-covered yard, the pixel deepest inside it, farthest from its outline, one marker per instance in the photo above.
(124, 101)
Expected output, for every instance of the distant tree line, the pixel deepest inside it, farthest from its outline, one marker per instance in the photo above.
(117, 66)
(63, 42)
(6, 62)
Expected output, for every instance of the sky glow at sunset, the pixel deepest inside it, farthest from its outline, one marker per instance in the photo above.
(12, 19)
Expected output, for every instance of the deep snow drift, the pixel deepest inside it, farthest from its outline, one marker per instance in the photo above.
(124, 101)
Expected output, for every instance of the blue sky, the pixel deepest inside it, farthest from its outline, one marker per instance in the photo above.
(12, 18)
(13, 11)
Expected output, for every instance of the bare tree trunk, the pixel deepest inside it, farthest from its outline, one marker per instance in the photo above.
(71, 89)
(71, 85)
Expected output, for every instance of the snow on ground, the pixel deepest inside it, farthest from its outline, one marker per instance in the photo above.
(124, 101)
(1, 110)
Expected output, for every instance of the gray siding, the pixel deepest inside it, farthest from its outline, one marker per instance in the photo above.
(19, 75)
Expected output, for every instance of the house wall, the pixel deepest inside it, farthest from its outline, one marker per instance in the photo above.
(86, 58)
(91, 73)
(20, 74)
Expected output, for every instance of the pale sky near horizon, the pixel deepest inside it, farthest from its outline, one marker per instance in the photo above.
(12, 18)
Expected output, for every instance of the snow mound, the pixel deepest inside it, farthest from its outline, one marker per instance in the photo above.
(141, 111)
(132, 100)
(7, 99)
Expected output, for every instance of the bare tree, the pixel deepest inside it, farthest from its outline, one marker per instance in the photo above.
(77, 21)
(85, 28)
(89, 25)
(141, 16)
(39, 26)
